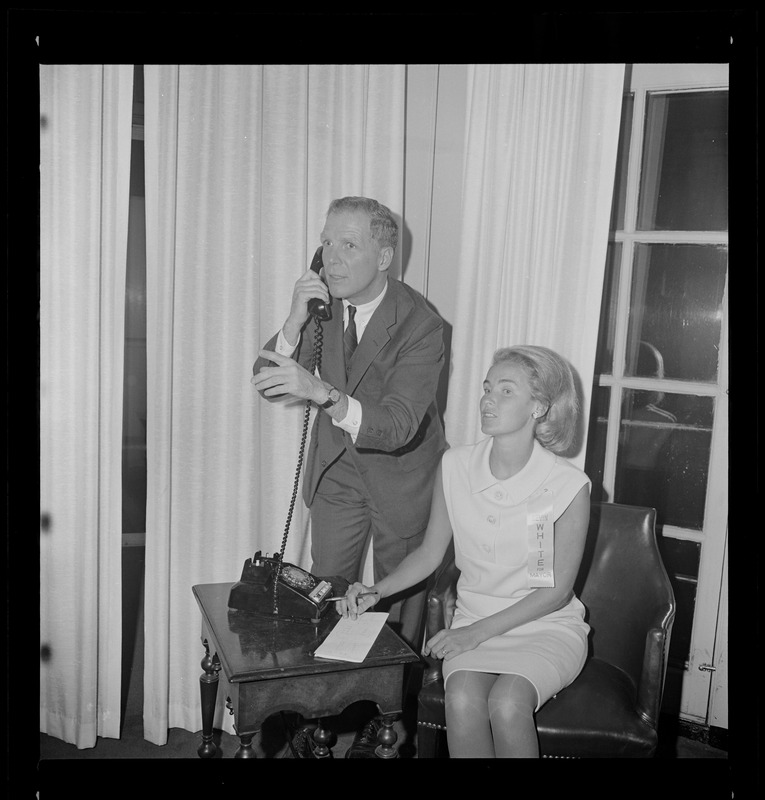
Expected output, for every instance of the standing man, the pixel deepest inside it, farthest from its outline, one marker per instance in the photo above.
(377, 438)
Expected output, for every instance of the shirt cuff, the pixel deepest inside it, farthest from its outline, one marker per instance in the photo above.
(283, 347)
(351, 422)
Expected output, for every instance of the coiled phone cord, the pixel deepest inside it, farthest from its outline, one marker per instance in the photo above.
(318, 341)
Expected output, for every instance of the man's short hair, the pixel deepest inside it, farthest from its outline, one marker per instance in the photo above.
(382, 226)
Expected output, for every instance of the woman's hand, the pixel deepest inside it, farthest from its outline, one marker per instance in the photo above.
(352, 605)
(449, 643)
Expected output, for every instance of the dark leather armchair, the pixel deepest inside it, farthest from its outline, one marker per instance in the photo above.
(612, 708)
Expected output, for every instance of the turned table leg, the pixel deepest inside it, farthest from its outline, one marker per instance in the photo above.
(208, 689)
(245, 746)
(387, 737)
(322, 737)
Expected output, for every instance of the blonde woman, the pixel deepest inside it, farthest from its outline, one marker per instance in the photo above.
(518, 513)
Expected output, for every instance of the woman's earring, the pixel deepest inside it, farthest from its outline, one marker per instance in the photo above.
(535, 414)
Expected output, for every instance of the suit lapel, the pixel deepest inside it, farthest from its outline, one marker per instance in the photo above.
(376, 336)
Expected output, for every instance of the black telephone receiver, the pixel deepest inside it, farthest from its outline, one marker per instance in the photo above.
(316, 307)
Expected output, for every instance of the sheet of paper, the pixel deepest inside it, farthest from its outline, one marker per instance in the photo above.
(352, 639)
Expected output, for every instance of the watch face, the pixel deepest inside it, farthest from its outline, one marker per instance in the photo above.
(332, 397)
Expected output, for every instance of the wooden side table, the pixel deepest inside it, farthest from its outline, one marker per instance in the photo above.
(268, 667)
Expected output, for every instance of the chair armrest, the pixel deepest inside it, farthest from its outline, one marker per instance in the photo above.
(439, 612)
(435, 621)
(651, 687)
(442, 599)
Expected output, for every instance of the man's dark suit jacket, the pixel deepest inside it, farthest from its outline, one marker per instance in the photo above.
(394, 375)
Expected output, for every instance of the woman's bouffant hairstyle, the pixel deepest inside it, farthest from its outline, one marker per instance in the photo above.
(552, 384)
(382, 226)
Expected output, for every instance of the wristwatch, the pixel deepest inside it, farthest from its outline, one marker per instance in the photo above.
(334, 397)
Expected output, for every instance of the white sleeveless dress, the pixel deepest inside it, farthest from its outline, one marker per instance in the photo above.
(488, 518)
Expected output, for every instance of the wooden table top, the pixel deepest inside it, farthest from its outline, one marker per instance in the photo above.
(253, 648)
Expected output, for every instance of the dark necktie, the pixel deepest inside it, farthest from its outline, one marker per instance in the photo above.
(349, 337)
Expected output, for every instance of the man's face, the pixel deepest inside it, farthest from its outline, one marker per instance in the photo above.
(355, 266)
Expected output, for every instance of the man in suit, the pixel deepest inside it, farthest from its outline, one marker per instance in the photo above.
(377, 437)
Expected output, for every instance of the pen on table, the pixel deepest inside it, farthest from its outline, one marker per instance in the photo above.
(361, 594)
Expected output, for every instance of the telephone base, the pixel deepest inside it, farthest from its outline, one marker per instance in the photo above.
(252, 598)
(300, 596)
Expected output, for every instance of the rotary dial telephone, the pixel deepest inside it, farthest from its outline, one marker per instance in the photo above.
(297, 595)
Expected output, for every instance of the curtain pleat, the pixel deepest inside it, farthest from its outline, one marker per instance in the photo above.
(540, 156)
(241, 164)
(85, 142)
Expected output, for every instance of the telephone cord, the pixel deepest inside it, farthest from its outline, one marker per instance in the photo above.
(315, 365)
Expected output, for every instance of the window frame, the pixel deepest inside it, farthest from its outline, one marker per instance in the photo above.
(705, 647)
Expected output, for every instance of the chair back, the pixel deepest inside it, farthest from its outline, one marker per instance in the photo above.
(624, 587)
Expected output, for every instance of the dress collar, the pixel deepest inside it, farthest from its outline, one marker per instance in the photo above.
(521, 485)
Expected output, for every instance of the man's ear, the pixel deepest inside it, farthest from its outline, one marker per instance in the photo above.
(386, 258)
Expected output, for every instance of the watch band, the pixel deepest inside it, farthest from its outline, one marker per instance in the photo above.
(334, 397)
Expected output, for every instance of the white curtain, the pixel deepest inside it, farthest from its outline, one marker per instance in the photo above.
(241, 163)
(540, 156)
(85, 135)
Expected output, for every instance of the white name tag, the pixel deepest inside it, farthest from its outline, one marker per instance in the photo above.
(540, 528)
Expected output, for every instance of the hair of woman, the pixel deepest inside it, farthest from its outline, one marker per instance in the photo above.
(552, 384)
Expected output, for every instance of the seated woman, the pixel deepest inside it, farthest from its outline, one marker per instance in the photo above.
(518, 635)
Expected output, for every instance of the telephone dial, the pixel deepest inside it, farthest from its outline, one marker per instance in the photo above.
(269, 586)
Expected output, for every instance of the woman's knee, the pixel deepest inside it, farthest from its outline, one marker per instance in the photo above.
(512, 696)
(465, 691)
(455, 694)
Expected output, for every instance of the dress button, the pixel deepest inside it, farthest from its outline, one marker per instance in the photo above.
(491, 519)
(486, 548)
(498, 495)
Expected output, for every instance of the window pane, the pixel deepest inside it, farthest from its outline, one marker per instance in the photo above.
(604, 358)
(682, 628)
(681, 559)
(663, 458)
(596, 441)
(622, 160)
(684, 177)
(676, 311)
